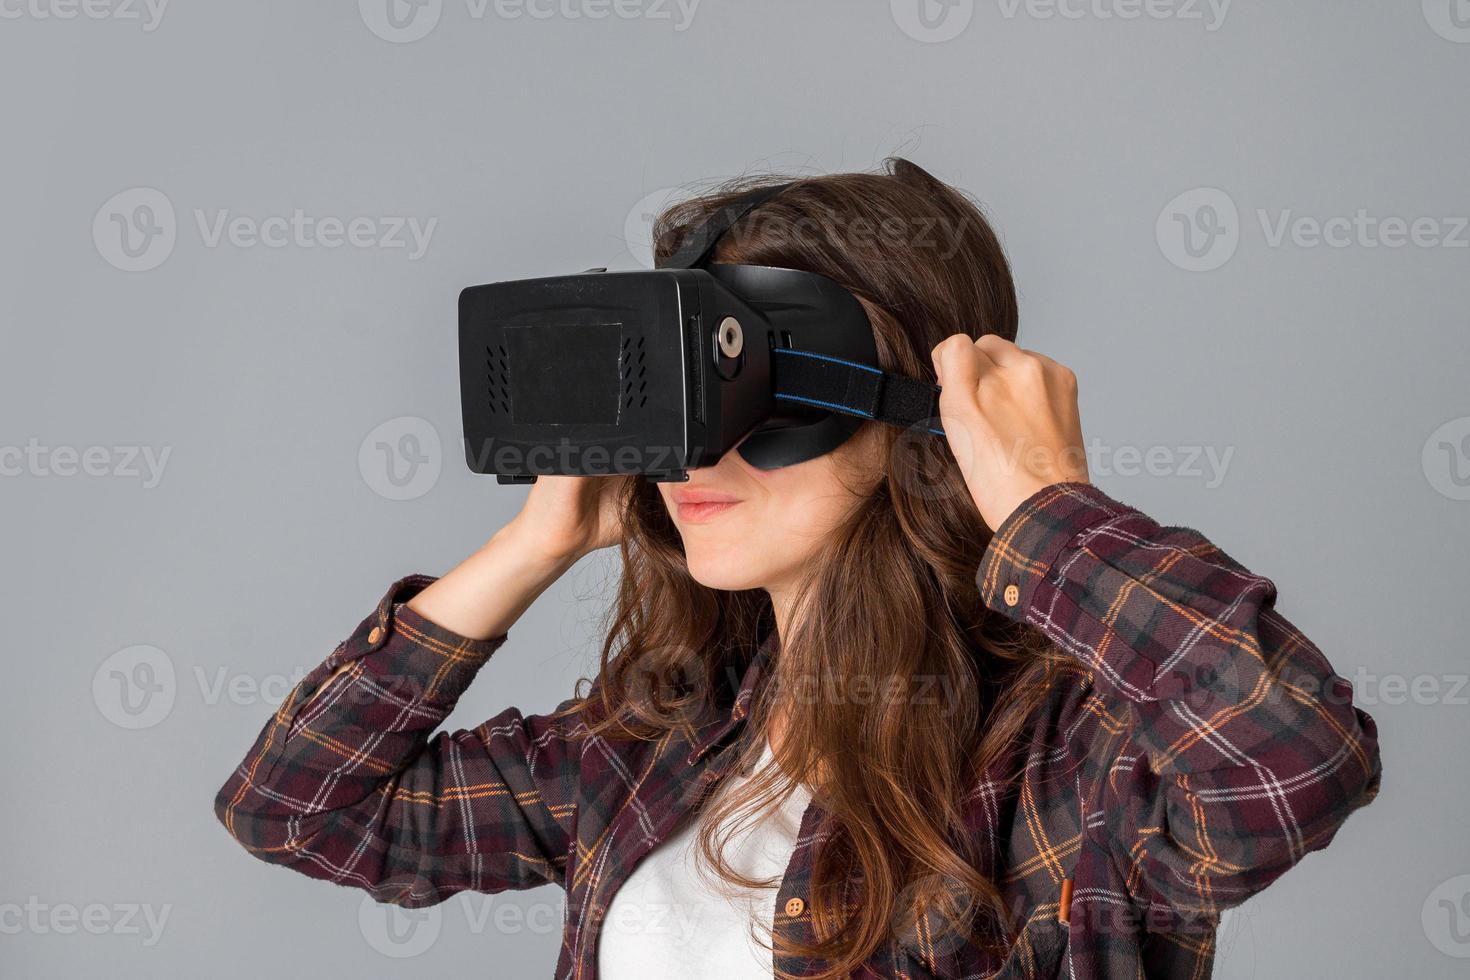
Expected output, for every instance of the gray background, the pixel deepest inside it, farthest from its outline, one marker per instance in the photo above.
(1334, 376)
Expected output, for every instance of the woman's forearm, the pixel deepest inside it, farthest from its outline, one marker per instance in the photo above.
(484, 595)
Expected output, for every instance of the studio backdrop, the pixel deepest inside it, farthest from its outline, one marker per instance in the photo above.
(234, 236)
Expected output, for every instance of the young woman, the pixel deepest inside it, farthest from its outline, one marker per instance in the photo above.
(918, 707)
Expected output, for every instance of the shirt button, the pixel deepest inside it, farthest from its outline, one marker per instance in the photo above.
(1012, 594)
(375, 634)
(794, 907)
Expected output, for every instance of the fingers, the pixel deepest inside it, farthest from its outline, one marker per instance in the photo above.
(1029, 363)
(961, 360)
(958, 364)
(1001, 351)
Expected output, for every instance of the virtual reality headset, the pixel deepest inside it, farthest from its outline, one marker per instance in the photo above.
(661, 371)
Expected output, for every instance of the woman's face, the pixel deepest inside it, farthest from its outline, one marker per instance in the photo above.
(745, 528)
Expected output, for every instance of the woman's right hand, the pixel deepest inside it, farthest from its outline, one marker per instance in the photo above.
(563, 519)
(566, 517)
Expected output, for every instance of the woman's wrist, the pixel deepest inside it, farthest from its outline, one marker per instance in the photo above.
(484, 595)
(531, 547)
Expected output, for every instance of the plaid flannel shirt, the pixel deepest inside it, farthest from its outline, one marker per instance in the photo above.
(1207, 747)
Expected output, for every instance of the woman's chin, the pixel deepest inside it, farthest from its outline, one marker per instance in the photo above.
(727, 571)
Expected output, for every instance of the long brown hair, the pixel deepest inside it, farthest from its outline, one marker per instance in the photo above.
(891, 606)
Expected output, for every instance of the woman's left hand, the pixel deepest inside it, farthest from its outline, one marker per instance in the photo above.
(1011, 419)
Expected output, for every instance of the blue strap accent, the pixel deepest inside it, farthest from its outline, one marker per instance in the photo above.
(793, 352)
(853, 388)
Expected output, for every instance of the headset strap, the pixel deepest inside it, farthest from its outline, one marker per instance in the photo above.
(702, 240)
(852, 388)
(809, 378)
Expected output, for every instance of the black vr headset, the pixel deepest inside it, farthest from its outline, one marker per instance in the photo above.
(660, 372)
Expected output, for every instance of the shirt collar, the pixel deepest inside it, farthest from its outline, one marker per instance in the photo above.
(722, 725)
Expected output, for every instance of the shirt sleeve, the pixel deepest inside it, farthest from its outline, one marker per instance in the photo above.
(345, 783)
(1241, 749)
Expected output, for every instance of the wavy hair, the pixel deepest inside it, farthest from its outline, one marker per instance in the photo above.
(891, 607)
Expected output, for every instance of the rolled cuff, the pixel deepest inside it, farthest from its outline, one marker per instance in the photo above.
(1029, 542)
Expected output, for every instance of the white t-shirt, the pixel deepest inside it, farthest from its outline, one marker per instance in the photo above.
(676, 919)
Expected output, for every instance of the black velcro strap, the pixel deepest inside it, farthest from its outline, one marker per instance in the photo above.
(702, 240)
(838, 385)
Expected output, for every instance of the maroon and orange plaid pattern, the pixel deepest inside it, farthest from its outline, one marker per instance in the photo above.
(1207, 748)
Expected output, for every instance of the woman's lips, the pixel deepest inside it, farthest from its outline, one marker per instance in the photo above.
(699, 506)
(699, 513)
